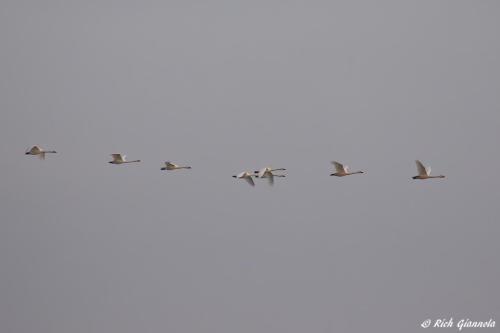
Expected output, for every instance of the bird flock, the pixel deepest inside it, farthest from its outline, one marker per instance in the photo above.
(269, 173)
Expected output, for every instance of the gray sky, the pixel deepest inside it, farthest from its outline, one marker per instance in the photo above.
(223, 86)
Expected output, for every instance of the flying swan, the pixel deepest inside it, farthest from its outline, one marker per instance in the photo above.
(424, 172)
(172, 166)
(120, 159)
(246, 176)
(36, 150)
(342, 170)
(268, 173)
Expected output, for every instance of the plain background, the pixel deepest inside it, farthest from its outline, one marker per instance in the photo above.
(227, 86)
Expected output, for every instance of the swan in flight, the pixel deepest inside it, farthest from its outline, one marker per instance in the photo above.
(36, 150)
(246, 176)
(120, 159)
(172, 166)
(424, 172)
(342, 170)
(268, 173)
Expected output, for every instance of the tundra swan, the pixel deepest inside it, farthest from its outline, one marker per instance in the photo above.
(172, 166)
(36, 150)
(120, 159)
(268, 173)
(424, 172)
(246, 176)
(342, 170)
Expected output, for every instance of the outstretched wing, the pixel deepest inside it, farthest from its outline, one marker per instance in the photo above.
(270, 178)
(170, 165)
(249, 180)
(35, 150)
(338, 167)
(118, 157)
(262, 172)
(422, 171)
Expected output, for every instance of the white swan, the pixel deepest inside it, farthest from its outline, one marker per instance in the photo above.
(36, 150)
(172, 166)
(424, 172)
(246, 176)
(268, 173)
(120, 159)
(342, 170)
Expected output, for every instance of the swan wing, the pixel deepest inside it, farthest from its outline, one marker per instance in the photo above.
(35, 150)
(270, 178)
(118, 157)
(421, 168)
(338, 167)
(170, 165)
(249, 180)
(262, 172)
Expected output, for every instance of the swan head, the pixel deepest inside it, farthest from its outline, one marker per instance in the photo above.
(415, 177)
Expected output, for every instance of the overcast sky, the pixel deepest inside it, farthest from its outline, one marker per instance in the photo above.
(226, 86)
